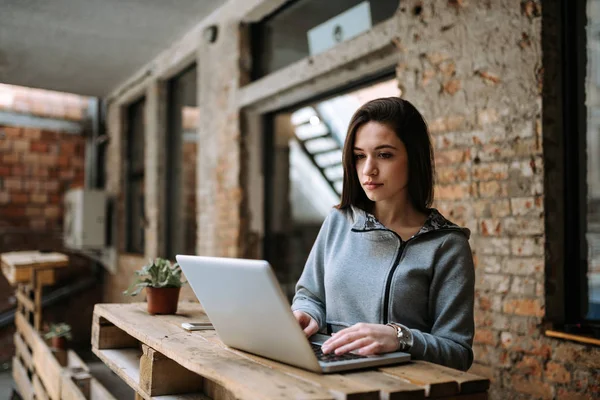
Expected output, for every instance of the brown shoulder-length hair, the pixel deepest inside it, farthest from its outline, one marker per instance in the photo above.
(410, 126)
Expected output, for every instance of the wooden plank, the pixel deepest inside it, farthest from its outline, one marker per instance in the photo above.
(390, 387)
(126, 364)
(575, 338)
(99, 392)
(24, 300)
(48, 369)
(22, 382)
(243, 377)
(467, 382)
(69, 389)
(30, 336)
(39, 389)
(75, 364)
(339, 386)
(23, 352)
(35, 259)
(159, 375)
(105, 335)
(435, 382)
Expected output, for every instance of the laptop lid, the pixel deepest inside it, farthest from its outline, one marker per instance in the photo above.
(245, 304)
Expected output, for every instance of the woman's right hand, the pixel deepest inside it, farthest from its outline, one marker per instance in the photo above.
(307, 323)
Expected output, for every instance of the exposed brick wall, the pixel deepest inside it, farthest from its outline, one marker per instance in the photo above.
(36, 169)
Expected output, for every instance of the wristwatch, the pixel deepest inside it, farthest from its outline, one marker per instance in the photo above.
(404, 336)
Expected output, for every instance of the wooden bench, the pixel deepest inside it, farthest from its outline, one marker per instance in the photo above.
(160, 360)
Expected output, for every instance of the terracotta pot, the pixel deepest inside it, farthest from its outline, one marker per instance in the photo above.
(59, 343)
(162, 300)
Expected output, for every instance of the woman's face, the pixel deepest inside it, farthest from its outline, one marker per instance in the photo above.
(381, 163)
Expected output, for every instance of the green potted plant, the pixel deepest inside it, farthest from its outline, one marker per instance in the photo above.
(59, 334)
(162, 281)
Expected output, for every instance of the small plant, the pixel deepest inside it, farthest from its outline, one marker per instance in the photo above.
(59, 330)
(158, 273)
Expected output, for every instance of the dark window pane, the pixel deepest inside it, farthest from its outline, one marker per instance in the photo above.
(134, 178)
(281, 38)
(593, 158)
(182, 147)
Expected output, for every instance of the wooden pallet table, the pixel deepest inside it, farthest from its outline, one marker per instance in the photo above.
(30, 271)
(41, 372)
(160, 360)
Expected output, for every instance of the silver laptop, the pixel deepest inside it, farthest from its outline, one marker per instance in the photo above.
(249, 311)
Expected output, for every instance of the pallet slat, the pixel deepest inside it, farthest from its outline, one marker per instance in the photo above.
(159, 375)
(23, 352)
(39, 389)
(436, 383)
(24, 385)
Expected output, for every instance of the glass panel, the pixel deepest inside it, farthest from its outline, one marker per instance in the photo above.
(134, 178)
(593, 158)
(182, 148)
(307, 173)
(281, 38)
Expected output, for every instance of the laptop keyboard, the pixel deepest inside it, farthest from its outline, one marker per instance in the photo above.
(331, 357)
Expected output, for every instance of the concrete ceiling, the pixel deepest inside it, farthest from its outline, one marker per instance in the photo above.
(89, 47)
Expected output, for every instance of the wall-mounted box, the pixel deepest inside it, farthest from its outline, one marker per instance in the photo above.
(85, 219)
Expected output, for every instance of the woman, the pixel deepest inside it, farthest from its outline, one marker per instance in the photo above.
(387, 272)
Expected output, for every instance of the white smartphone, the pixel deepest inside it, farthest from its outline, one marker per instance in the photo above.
(197, 326)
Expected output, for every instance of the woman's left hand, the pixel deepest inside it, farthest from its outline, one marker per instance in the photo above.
(364, 339)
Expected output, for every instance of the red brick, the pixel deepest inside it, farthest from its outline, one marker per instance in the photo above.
(32, 133)
(4, 171)
(11, 158)
(531, 386)
(13, 184)
(493, 189)
(529, 366)
(446, 124)
(485, 336)
(39, 147)
(453, 192)
(452, 86)
(39, 198)
(48, 135)
(20, 198)
(490, 171)
(451, 174)
(566, 394)
(20, 145)
(525, 307)
(490, 227)
(11, 132)
(527, 206)
(523, 246)
(557, 373)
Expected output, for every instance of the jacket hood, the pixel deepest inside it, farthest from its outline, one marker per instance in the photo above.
(364, 221)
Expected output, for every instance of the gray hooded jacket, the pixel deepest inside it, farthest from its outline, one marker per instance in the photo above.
(360, 271)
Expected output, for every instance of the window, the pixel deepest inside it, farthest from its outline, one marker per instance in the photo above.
(282, 38)
(181, 150)
(581, 128)
(135, 220)
(304, 173)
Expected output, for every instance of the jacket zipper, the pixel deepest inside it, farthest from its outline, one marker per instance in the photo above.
(388, 284)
